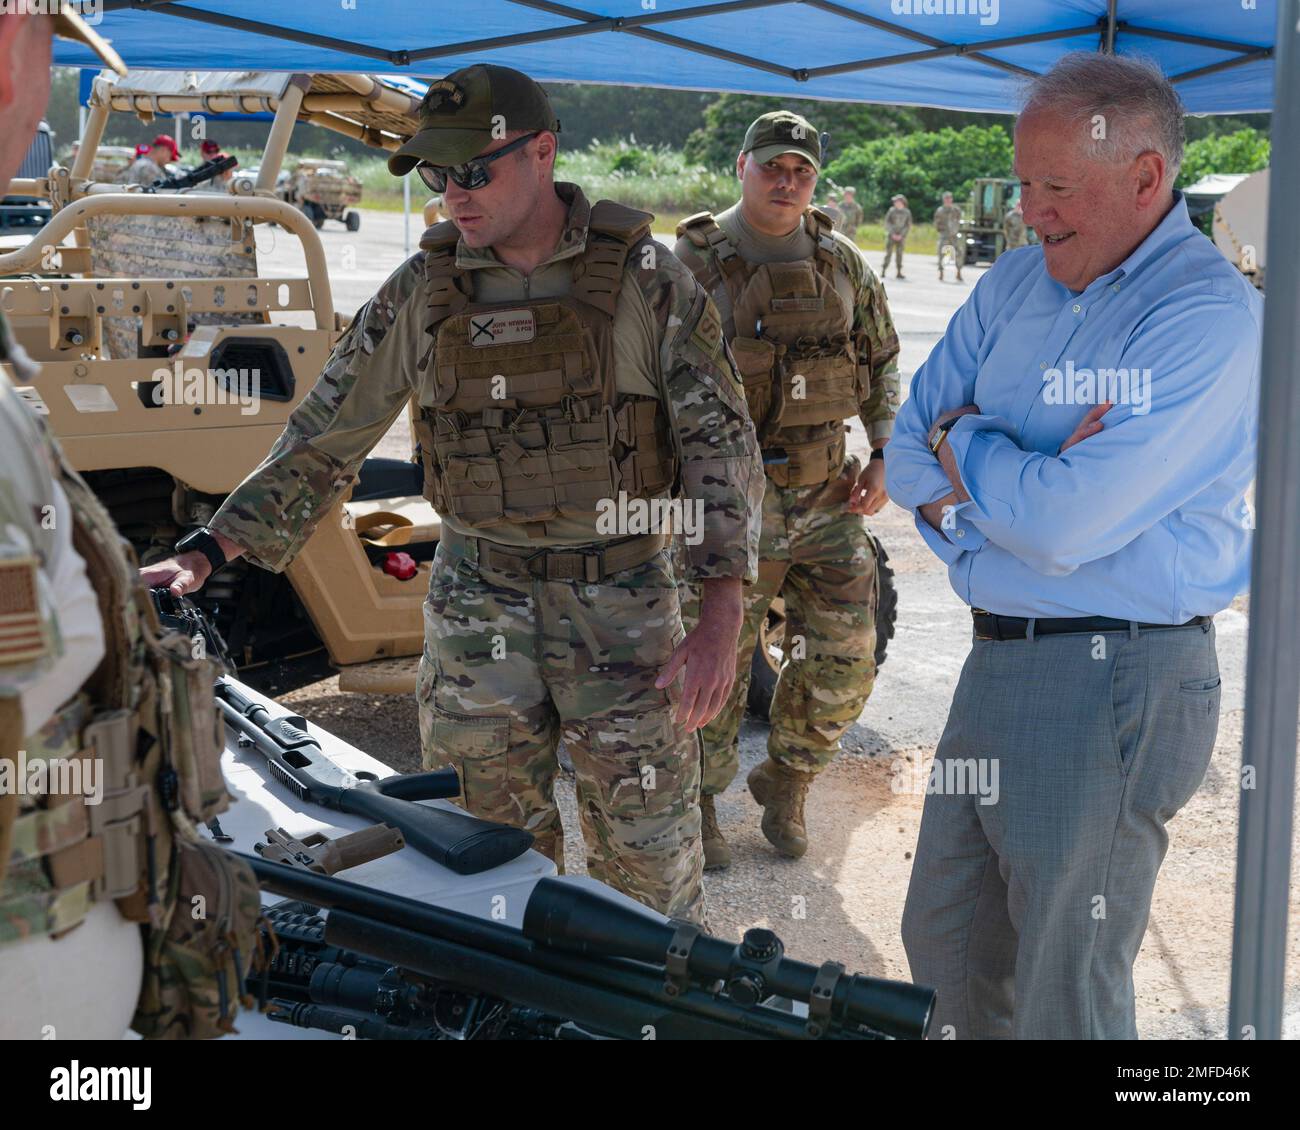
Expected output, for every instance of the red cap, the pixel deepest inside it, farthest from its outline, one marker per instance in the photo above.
(142, 150)
(169, 141)
(209, 146)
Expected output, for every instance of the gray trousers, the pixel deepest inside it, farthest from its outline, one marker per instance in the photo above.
(1044, 827)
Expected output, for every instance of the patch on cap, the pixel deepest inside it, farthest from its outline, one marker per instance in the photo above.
(443, 97)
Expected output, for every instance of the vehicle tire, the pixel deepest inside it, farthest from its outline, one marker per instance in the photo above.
(353, 220)
(315, 213)
(767, 660)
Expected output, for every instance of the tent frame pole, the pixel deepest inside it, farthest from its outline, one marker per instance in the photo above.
(1273, 659)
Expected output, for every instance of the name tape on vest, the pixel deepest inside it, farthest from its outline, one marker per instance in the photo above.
(502, 327)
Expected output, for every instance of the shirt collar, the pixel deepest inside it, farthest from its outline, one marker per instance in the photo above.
(573, 240)
(1167, 234)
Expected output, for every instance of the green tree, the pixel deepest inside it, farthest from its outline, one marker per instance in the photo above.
(922, 166)
(1245, 151)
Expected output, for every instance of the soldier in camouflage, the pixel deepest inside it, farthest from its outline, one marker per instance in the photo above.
(151, 167)
(1014, 230)
(850, 214)
(95, 783)
(898, 223)
(569, 372)
(947, 222)
(810, 329)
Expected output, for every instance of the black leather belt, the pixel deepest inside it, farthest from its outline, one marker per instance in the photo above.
(991, 626)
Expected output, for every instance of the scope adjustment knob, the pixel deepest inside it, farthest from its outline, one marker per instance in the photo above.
(760, 944)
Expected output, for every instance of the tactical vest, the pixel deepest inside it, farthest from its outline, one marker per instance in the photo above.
(147, 715)
(526, 422)
(801, 361)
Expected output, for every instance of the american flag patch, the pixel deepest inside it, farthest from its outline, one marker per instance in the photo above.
(21, 637)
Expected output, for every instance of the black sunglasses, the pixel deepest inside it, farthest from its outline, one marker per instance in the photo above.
(473, 173)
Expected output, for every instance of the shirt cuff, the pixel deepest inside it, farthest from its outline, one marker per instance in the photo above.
(946, 551)
(972, 440)
(879, 429)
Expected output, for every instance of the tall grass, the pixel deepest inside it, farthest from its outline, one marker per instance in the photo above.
(659, 180)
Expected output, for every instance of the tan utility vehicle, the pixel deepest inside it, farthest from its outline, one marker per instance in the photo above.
(324, 191)
(149, 317)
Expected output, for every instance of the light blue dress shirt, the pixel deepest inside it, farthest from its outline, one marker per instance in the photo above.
(1147, 519)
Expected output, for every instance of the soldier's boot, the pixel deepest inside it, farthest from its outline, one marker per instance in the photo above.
(717, 855)
(781, 792)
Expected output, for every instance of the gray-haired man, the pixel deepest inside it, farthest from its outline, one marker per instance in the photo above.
(1077, 449)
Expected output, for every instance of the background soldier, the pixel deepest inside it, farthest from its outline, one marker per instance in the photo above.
(947, 222)
(833, 210)
(850, 214)
(83, 865)
(1013, 228)
(810, 330)
(559, 357)
(898, 223)
(151, 166)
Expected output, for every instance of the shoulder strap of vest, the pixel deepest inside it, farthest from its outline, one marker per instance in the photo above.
(612, 231)
(821, 228)
(448, 288)
(440, 235)
(619, 221)
(705, 233)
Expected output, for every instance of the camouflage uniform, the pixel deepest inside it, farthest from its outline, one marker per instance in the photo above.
(947, 222)
(898, 222)
(850, 218)
(89, 678)
(812, 549)
(143, 170)
(1014, 229)
(833, 212)
(512, 662)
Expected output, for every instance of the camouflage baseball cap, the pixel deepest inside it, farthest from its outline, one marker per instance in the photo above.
(783, 132)
(460, 112)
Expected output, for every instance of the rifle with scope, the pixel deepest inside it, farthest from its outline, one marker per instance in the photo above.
(585, 965)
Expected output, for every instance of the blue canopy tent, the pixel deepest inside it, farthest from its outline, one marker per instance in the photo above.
(1225, 56)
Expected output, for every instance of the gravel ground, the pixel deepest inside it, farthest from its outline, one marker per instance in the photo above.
(844, 899)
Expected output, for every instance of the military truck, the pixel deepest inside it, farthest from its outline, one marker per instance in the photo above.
(149, 317)
(324, 191)
(981, 227)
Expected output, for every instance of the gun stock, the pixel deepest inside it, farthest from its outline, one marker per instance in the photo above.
(463, 843)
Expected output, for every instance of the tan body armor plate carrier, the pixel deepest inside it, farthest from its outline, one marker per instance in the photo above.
(801, 361)
(527, 423)
(148, 718)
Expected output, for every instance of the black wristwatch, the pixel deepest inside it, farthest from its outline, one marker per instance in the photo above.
(877, 453)
(202, 540)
